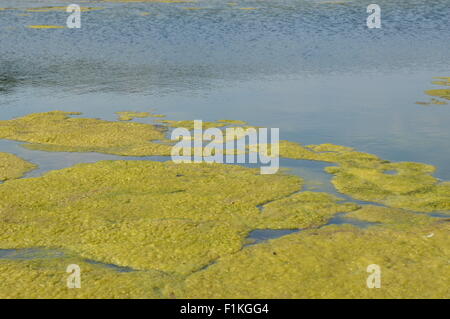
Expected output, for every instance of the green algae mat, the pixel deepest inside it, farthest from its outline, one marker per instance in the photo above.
(145, 229)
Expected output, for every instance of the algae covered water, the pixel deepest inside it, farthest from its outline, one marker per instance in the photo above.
(310, 68)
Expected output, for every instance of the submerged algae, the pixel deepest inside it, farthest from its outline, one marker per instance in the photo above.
(12, 166)
(58, 131)
(330, 262)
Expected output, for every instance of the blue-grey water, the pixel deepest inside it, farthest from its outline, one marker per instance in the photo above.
(311, 68)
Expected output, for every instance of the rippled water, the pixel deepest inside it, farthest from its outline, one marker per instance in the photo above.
(312, 69)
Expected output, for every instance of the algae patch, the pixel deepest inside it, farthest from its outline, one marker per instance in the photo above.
(392, 217)
(130, 115)
(59, 132)
(12, 166)
(305, 209)
(443, 93)
(45, 27)
(189, 125)
(47, 278)
(330, 262)
(366, 177)
(144, 215)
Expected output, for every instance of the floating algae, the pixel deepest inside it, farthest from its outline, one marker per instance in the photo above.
(45, 27)
(439, 93)
(366, 177)
(392, 217)
(47, 278)
(330, 262)
(189, 125)
(144, 215)
(57, 131)
(234, 122)
(130, 115)
(12, 166)
(305, 209)
(442, 93)
(182, 227)
(433, 102)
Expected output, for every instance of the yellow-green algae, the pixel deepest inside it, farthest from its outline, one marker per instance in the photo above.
(441, 93)
(181, 218)
(130, 115)
(59, 132)
(12, 166)
(45, 27)
(365, 177)
(234, 122)
(190, 124)
(392, 217)
(331, 262)
(433, 102)
(306, 209)
(47, 278)
(142, 214)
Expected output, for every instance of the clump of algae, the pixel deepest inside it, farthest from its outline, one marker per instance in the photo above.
(58, 131)
(47, 278)
(330, 262)
(130, 115)
(145, 215)
(234, 122)
(305, 209)
(12, 166)
(189, 125)
(365, 177)
(438, 93)
(45, 27)
(392, 217)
